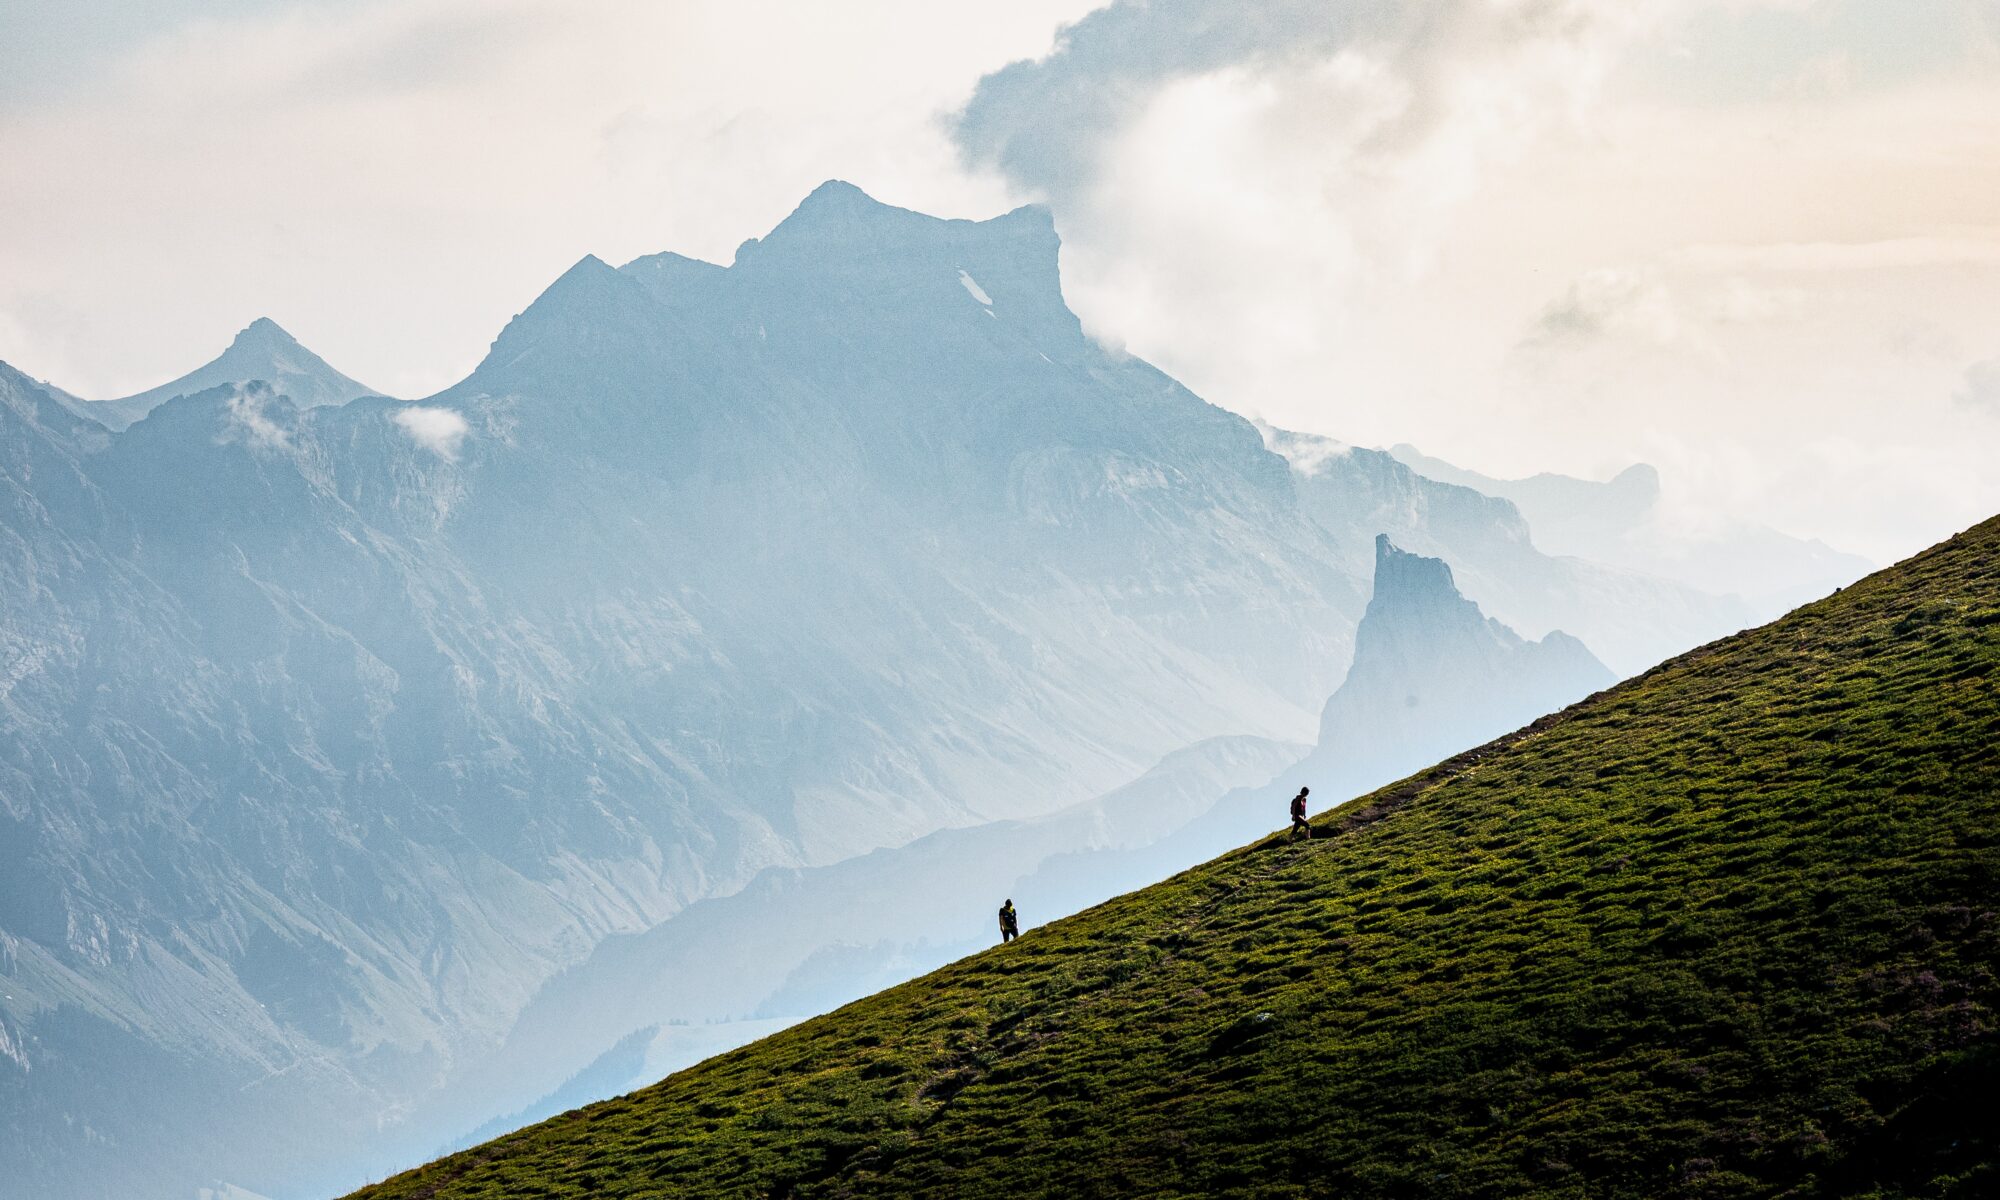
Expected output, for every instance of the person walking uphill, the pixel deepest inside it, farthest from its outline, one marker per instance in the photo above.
(1010, 922)
(1299, 824)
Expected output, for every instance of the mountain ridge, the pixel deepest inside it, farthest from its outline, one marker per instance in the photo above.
(1630, 617)
(1721, 929)
(1618, 521)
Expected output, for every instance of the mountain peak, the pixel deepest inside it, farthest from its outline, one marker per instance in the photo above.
(844, 240)
(1432, 673)
(261, 350)
(1401, 576)
(588, 267)
(263, 332)
(839, 193)
(587, 276)
(838, 216)
(841, 217)
(590, 287)
(1641, 479)
(589, 306)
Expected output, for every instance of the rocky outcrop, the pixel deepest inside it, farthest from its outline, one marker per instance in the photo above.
(1433, 675)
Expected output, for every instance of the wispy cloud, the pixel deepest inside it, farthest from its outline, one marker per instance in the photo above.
(439, 430)
(1606, 303)
(250, 421)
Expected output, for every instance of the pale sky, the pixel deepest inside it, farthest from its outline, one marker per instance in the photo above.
(1754, 242)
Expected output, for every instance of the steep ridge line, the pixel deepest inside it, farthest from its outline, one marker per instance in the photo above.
(1722, 930)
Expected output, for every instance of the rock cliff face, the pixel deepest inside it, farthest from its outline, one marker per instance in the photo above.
(1433, 675)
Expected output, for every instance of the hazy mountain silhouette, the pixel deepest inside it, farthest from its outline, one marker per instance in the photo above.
(333, 732)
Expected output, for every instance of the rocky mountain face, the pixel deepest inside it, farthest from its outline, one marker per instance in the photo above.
(1618, 522)
(1433, 675)
(261, 351)
(332, 733)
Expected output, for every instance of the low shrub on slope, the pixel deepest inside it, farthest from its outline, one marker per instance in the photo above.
(1725, 930)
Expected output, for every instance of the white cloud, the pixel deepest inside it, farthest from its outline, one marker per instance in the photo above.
(1309, 454)
(1351, 218)
(439, 430)
(250, 423)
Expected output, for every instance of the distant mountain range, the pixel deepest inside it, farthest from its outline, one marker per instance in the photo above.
(1619, 522)
(1631, 618)
(335, 730)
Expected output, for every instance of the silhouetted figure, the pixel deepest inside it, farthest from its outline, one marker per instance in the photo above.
(1299, 824)
(1010, 923)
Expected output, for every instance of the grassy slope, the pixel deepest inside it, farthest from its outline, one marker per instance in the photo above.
(1725, 930)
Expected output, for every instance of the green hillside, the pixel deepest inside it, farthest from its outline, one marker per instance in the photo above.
(1725, 930)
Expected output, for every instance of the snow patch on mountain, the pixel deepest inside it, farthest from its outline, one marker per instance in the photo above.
(972, 286)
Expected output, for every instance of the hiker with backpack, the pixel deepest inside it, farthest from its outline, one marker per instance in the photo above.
(1299, 823)
(1010, 922)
